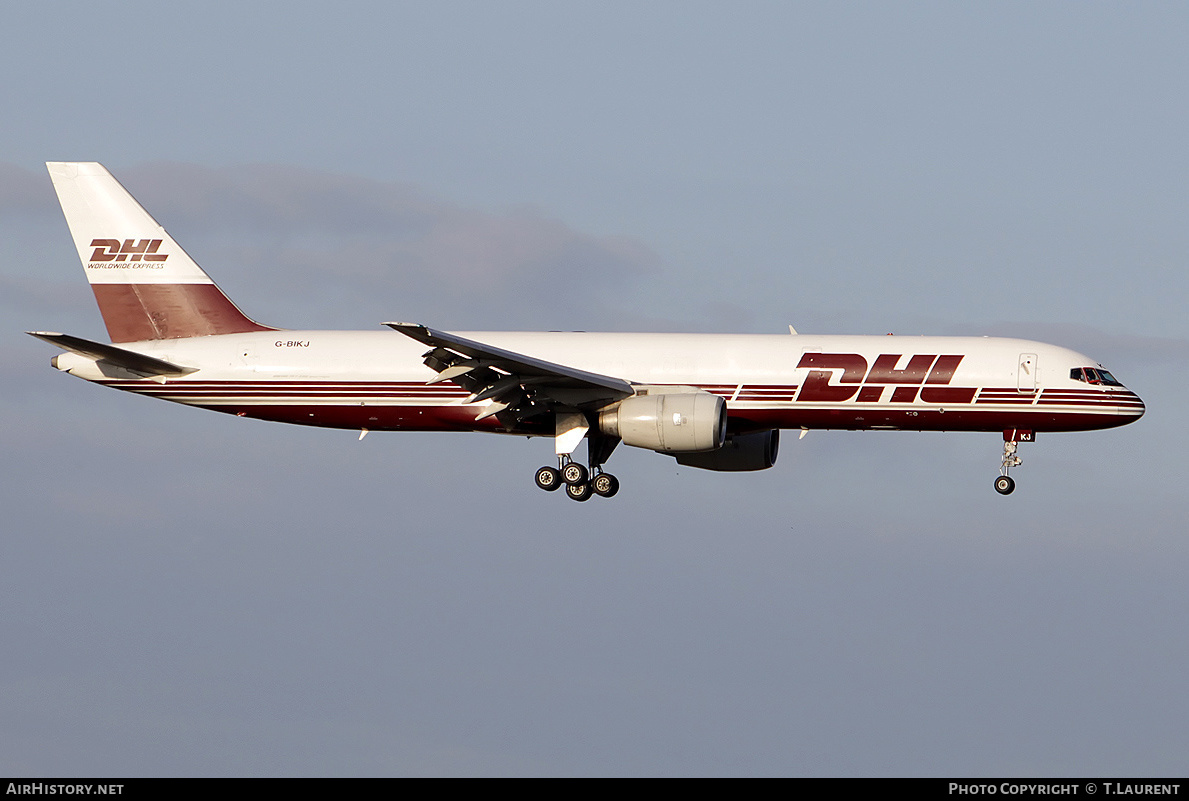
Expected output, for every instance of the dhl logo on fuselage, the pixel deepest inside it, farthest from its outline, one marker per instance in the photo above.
(128, 250)
(928, 374)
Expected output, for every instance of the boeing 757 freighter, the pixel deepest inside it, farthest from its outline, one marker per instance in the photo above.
(712, 401)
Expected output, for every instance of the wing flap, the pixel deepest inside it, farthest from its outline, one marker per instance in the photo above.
(510, 361)
(517, 385)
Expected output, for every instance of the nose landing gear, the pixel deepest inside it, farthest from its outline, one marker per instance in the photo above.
(1005, 484)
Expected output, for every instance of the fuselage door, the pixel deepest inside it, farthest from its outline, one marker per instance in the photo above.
(1026, 373)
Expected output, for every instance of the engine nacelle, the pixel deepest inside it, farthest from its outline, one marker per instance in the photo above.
(673, 422)
(740, 452)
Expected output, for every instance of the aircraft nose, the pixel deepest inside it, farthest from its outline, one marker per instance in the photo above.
(1131, 404)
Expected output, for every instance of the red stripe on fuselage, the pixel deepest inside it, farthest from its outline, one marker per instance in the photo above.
(414, 406)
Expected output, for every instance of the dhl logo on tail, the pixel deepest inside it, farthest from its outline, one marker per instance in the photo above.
(114, 250)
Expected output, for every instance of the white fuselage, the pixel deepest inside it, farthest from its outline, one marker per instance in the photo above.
(377, 380)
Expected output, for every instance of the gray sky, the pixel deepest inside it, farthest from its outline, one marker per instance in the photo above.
(191, 594)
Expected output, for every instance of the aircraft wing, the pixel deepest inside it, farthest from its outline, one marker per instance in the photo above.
(519, 386)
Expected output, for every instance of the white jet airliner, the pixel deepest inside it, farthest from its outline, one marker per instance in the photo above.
(711, 401)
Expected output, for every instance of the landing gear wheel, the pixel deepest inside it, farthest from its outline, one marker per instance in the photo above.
(548, 479)
(605, 484)
(1004, 485)
(574, 473)
(579, 492)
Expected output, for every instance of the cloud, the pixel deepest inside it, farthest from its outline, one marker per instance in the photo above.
(300, 248)
(389, 248)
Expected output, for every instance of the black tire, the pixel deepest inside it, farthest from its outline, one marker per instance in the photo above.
(605, 484)
(548, 479)
(579, 492)
(574, 473)
(1005, 485)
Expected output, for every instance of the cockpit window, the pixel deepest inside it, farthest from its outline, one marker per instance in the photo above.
(1093, 375)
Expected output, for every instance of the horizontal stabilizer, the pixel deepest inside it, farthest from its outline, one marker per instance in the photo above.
(129, 360)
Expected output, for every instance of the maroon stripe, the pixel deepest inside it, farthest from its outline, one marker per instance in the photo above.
(295, 385)
(1062, 394)
(326, 396)
(1103, 403)
(461, 418)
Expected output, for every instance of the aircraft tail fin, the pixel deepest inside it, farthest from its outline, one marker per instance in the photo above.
(147, 287)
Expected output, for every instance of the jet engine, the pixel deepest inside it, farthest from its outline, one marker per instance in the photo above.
(671, 422)
(739, 453)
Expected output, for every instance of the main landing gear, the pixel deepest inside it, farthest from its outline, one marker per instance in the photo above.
(580, 483)
(1005, 484)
